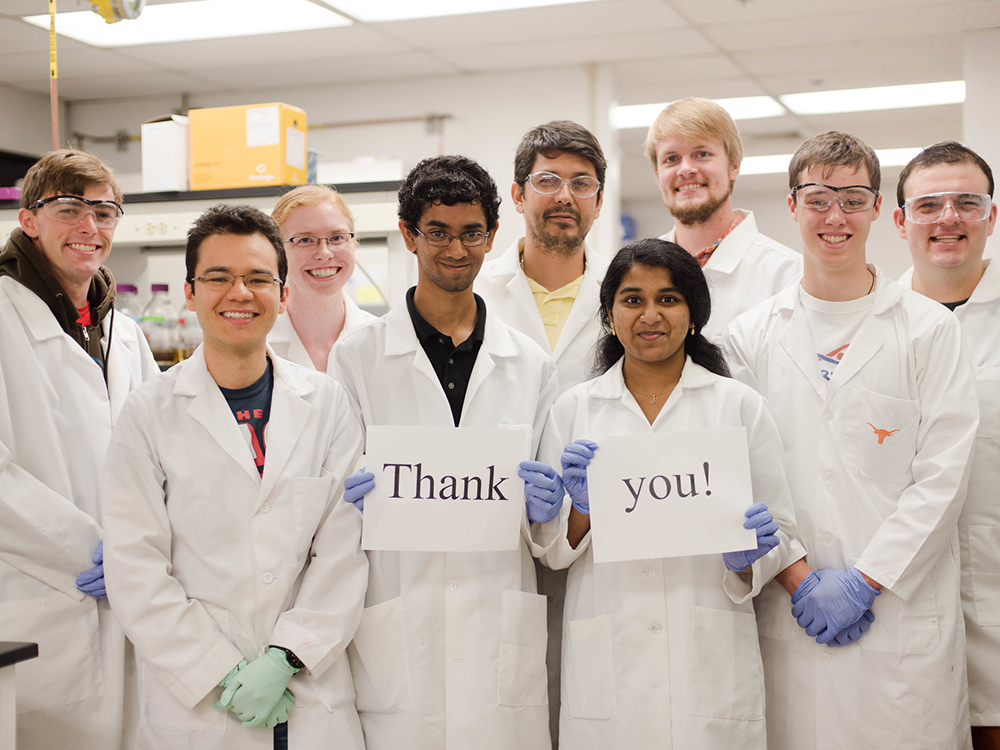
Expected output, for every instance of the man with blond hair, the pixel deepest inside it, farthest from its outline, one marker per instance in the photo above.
(873, 392)
(695, 151)
(945, 214)
(67, 362)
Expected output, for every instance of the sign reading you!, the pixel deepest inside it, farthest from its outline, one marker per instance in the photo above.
(441, 489)
(671, 495)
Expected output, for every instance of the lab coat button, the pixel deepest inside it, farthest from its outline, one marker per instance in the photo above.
(827, 476)
(265, 508)
(268, 577)
(825, 658)
(650, 571)
(453, 585)
(827, 538)
(657, 628)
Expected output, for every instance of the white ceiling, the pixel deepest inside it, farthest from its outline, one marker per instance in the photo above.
(658, 50)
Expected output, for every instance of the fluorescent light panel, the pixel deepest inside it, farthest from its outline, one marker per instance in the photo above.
(739, 108)
(872, 99)
(374, 11)
(201, 19)
(778, 163)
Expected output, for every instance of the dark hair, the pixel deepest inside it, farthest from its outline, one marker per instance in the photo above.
(553, 138)
(448, 180)
(945, 152)
(239, 220)
(686, 275)
(831, 150)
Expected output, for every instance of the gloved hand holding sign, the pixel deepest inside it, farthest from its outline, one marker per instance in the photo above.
(758, 518)
(575, 460)
(543, 491)
(356, 486)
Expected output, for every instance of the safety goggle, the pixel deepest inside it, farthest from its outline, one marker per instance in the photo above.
(819, 197)
(69, 209)
(930, 209)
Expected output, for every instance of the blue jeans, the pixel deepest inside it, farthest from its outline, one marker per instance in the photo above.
(281, 737)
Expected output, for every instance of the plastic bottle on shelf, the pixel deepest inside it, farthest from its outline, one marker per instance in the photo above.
(127, 301)
(159, 323)
(190, 332)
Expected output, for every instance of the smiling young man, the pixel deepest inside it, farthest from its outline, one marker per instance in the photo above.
(231, 562)
(67, 363)
(546, 284)
(872, 390)
(450, 652)
(695, 150)
(946, 212)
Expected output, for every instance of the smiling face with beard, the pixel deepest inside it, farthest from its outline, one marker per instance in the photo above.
(695, 179)
(559, 222)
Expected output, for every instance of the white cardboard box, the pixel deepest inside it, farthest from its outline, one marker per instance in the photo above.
(165, 154)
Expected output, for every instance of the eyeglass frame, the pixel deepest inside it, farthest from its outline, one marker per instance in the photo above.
(350, 236)
(204, 279)
(907, 214)
(564, 181)
(837, 190)
(453, 237)
(45, 201)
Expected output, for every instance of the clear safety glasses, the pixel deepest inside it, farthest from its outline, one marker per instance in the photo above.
(548, 183)
(819, 197)
(69, 209)
(930, 209)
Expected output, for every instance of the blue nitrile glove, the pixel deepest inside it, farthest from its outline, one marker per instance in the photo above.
(829, 601)
(855, 631)
(356, 486)
(759, 518)
(575, 460)
(257, 689)
(92, 581)
(279, 715)
(543, 491)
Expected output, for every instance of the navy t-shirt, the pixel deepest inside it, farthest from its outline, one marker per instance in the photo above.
(252, 408)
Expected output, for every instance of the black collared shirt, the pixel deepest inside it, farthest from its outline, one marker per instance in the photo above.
(453, 364)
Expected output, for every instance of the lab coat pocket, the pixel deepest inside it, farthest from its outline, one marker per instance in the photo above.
(727, 676)
(984, 564)
(379, 660)
(886, 433)
(588, 669)
(68, 668)
(310, 498)
(521, 673)
(909, 627)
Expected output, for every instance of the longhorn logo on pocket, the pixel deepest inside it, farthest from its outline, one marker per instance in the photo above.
(882, 434)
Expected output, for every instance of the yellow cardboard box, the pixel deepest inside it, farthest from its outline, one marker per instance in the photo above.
(247, 146)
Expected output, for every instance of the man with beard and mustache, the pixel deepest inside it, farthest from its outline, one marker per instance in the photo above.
(546, 284)
(695, 151)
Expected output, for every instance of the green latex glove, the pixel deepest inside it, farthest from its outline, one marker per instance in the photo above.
(218, 706)
(255, 691)
(279, 714)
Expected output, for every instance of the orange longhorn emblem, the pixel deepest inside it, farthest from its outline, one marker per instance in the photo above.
(882, 434)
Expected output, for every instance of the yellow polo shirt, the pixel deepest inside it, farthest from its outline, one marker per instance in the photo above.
(554, 306)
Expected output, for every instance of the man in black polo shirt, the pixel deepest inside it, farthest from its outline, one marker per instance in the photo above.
(451, 647)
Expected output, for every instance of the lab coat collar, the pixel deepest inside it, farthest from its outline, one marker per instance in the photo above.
(730, 252)
(36, 314)
(987, 290)
(611, 385)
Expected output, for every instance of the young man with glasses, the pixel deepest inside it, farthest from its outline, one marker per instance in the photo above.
(545, 285)
(695, 151)
(946, 212)
(450, 652)
(872, 389)
(67, 363)
(232, 564)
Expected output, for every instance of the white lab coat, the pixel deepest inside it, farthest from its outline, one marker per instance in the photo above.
(746, 268)
(56, 416)
(450, 652)
(889, 509)
(286, 343)
(979, 524)
(662, 654)
(504, 287)
(208, 563)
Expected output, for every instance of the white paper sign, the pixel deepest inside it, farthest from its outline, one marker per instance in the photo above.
(670, 495)
(440, 489)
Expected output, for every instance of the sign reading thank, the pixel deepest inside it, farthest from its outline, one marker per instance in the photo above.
(671, 495)
(442, 489)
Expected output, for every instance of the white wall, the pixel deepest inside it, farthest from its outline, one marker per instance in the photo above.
(26, 121)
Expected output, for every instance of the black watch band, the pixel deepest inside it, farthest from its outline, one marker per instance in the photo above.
(293, 661)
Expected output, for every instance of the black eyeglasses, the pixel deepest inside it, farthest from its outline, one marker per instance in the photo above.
(440, 238)
(220, 281)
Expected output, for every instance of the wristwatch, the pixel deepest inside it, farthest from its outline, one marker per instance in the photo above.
(293, 661)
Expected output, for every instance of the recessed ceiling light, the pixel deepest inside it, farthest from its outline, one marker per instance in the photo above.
(399, 10)
(778, 163)
(871, 99)
(201, 19)
(739, 108)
